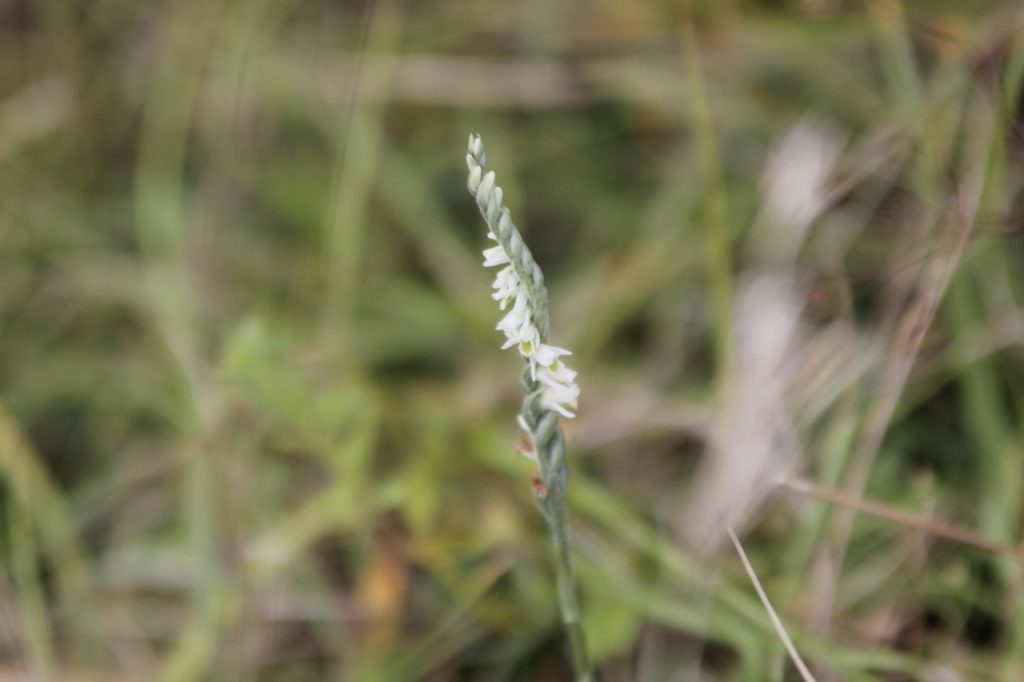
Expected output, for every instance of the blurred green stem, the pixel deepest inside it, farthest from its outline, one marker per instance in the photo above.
(716, 243)
(43, 531)
(567, 594)
(358, 154)
(30, 595)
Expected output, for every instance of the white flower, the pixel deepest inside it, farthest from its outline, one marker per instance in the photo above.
(546, 355)
(559, 389)
(495, 256)
(518, 326)
(506, 287)
(529, 341)
(515, 318)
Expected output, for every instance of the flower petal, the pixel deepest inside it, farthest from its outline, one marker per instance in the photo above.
(495, 256)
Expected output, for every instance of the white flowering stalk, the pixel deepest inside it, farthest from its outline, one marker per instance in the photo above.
(550, 387)
(521, 283)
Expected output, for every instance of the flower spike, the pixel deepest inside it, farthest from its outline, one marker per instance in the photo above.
(549, 385)
(521, 281)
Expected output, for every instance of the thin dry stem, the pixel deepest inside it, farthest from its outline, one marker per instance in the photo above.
(934, 527)
(780, 629)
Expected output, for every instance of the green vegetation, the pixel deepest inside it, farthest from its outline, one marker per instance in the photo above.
(254, 419)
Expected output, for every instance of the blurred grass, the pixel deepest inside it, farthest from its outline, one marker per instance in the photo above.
(254, 424)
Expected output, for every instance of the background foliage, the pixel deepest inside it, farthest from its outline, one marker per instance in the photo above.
(254, 422)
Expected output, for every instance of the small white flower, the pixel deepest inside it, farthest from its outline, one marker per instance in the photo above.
(519, 329)
(546, 355)
(495, 256)
(514, 318)
(529, 340)
(506, 287)
(559, 389)
(556, 374)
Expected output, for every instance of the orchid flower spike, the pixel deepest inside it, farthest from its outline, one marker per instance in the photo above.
(549, 385)
(519, 282)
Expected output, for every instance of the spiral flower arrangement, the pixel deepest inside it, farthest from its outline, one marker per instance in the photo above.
(521, 283)
(549, 386)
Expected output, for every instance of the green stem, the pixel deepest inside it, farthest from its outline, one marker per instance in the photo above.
(558, 524)
(716, 239)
